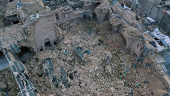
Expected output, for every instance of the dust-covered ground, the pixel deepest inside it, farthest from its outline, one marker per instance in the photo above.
(108, 70)
(8, 86)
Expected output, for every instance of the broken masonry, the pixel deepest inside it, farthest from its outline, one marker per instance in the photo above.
(48, 67)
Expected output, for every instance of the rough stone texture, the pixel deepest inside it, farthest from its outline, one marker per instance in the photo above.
(127, 15)
(102, 12)
(110, 69)
(131, 36)
(3, 85)
(7, 82)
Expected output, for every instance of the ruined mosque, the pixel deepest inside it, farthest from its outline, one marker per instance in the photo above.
(84, 47)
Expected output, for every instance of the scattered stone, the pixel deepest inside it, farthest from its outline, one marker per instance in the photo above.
(2, 85)
(108, 69)
(112, 90)
(47, 83)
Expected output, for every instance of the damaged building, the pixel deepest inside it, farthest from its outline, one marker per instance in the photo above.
(85, 47)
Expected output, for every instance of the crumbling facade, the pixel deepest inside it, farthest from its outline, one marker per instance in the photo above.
(59, 47)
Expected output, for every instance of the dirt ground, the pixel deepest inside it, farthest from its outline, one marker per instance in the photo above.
(101, 74)
(143, 82)
(8, 84)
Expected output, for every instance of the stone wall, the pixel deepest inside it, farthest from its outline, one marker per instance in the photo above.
(146, 6)
(136, 46)
(156, 12)
(1, 24)
(131, 36)
(156, 72)
(159, 16)
(44, 29)
(66, 14)
(40, 30)
(165, 22)
(102, 12)
(155, 68)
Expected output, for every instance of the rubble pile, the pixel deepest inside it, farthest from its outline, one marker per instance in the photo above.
(104, 73)
(8, 84)
(81, 48)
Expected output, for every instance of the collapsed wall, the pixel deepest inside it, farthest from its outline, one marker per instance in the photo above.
(130, 34)
(127, 15)
(102, 12)
(42, 33)
(157, 12)
(133, 42)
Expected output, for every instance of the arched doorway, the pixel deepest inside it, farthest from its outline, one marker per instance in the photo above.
(25, 54)
(41, 48)
(47, 43)
(86, 18)
(94, 5)
(3, 61)
(94, 16)
(55, 42)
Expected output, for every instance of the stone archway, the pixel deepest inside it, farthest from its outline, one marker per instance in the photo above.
(86, 17)
(94, 5)
(94, 17)
(55, 42)
(41, 48)
(25, 54)
(47, 43)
